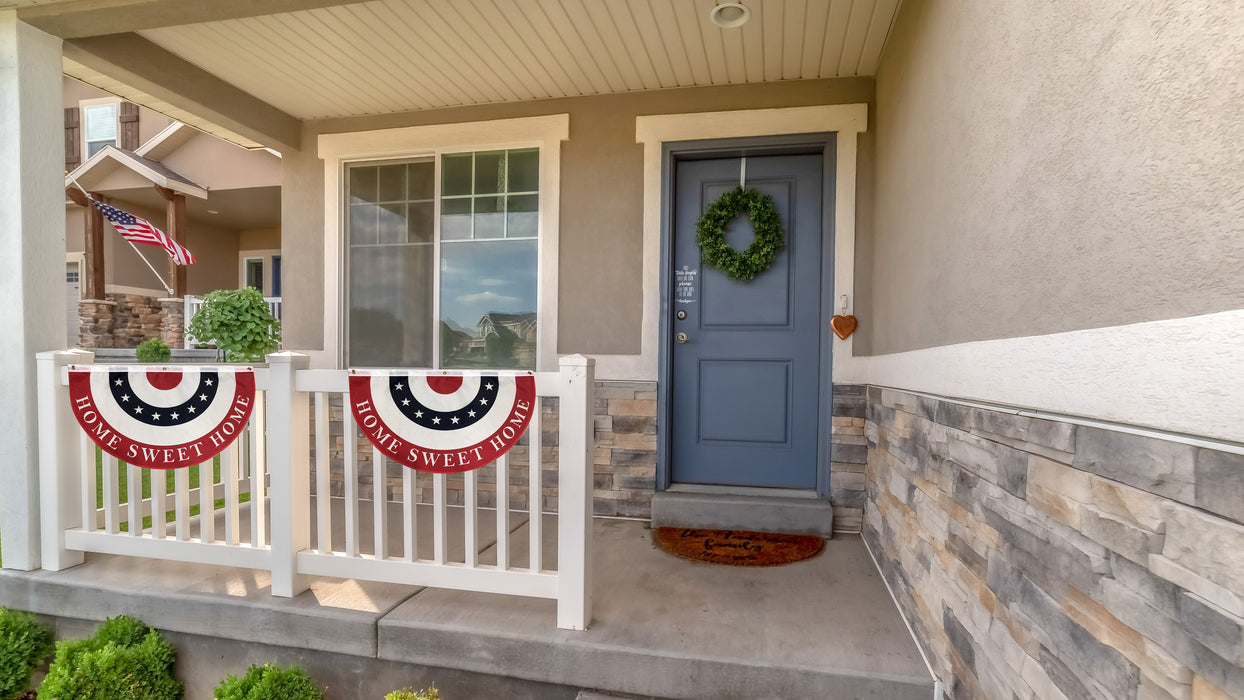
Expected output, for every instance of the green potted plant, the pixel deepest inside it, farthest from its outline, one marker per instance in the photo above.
(239, 322)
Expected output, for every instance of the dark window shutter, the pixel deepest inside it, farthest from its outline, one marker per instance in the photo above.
(73, 138)
(128, 116)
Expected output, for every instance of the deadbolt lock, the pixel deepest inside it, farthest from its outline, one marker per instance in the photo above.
(681, 314)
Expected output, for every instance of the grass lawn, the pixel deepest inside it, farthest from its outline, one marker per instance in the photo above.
(147, 475)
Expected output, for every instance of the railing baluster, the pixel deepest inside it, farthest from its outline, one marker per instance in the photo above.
(440, 533)
(351, 477)
(229, 478)
(503, 512)
(159, 503)
(379, 504)
(111, 498)
(535, 492)
(134, 498)
(410, 515)
(470, 518)
(207, 501)
(255, 442)
(90, 512)
(323, 499)
(181, 500)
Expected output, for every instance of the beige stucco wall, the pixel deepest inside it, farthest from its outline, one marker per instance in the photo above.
(220, 165)
(259, 239)
(150, 122)
(600, 268)
(1045, 167)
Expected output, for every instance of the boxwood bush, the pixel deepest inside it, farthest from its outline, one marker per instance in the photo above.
(269, 682)
(24, 644)
(125, 660)
(412, 694)
(153, 350)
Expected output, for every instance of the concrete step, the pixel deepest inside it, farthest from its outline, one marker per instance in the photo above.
(788, 515)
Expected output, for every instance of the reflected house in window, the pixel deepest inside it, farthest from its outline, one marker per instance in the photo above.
(499, 340)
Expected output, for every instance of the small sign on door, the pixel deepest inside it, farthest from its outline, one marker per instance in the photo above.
(684, 285)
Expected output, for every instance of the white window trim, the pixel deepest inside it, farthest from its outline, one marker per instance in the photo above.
(337, 150)
(82, 105)
(266, 256)
(848, 121)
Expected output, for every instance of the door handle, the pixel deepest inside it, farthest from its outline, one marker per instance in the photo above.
(681, 337)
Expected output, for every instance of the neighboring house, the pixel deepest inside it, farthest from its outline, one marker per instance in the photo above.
(232, 217)
(1033, 210)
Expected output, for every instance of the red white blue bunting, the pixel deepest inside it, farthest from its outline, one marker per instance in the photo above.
(162, 418)
(444, 423)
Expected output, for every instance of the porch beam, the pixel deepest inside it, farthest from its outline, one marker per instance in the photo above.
(145, 66)
(74, 20)
(175, 227)
(32, 263)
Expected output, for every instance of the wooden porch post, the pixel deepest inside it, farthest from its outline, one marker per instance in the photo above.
(93, 240)
(175, 227)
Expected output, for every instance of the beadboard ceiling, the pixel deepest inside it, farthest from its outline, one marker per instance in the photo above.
(398, 55)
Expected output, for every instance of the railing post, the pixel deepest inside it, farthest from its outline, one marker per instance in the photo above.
(289, 449)
(576, 443)
(60, 468)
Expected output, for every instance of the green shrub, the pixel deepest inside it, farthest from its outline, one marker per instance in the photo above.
(24, 644)
(269, 682)
(239, 322)
(125, 660)
(154, 350)
(412, 694)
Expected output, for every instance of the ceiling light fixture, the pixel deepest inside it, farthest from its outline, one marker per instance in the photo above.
(729, 15)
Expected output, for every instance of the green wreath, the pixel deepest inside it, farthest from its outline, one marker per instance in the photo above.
(710, 233)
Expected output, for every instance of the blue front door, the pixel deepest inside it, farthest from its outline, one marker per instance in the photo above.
(744, 381)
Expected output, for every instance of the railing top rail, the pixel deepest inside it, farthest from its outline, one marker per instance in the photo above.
(338, 380)
(261, 373)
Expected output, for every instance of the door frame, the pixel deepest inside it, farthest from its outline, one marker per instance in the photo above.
(672, 152)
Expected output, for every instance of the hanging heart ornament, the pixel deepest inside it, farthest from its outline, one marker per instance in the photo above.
(843, 326)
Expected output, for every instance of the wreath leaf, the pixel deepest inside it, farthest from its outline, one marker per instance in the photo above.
(711, 227)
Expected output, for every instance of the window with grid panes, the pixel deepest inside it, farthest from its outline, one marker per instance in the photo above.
(449, 280)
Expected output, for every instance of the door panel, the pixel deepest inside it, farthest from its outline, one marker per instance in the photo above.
(744, 386)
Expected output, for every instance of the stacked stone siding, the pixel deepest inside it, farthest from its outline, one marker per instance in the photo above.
(1043, 559)
(848, 453)
(624, 466)
(173, 322)
(125, 320)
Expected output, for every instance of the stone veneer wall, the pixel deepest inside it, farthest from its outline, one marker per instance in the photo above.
(125, 320)
(848, 455)
(1044, 559)
(624, 466)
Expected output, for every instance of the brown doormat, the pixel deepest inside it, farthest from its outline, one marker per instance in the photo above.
(737, 547)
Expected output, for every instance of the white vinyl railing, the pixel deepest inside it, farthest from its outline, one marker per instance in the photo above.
(193, 304)
(257, 508)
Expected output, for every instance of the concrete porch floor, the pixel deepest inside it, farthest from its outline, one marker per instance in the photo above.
(662, 626)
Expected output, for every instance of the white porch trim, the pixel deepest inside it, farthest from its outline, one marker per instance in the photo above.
(848, 121)
(544, 132)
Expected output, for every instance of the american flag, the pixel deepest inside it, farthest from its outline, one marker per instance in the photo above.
(138, 230)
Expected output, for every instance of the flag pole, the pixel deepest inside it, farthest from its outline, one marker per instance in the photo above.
(136, 251)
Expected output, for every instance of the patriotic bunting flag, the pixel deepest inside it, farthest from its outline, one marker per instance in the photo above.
(442, 423)
(138, 230)
(162, 419)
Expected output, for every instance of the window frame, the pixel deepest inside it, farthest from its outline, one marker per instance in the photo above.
(340, 150)
(83, 105)
(265, 257)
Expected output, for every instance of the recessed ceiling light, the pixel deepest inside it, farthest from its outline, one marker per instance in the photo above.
(729, 15)
(212, 211)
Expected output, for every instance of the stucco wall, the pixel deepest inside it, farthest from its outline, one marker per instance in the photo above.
(215, 249)
(150, 122)
(600, 269)
(1046, 167)
(259, 239)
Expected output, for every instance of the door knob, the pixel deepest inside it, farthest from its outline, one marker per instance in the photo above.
(681, 337)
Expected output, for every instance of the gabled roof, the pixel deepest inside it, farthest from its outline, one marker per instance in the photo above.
(157, 173)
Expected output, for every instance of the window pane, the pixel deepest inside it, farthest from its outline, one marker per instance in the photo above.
(101, 122)
(254, 274)
(488, 304)
(364, 220)
(489, 217)
(363, 185)
(522, 217)
(393, 223)
(391, 306)
(455, 219)
(420, 216)
(392, 183)
(97, 146)
(490, 172)
(456, 174)
(420, 179)
(524, 171)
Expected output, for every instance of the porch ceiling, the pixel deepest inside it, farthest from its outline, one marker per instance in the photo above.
(250, 78)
